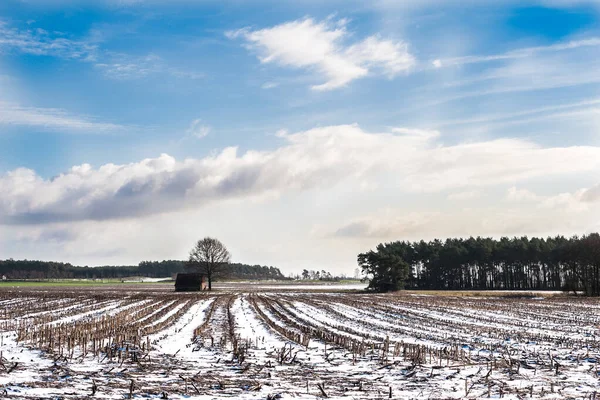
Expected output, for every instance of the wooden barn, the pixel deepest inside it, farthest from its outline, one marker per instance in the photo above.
(193, 282)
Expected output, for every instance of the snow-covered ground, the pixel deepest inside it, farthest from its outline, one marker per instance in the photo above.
(145, 279)
(296, 343)
(290, 287)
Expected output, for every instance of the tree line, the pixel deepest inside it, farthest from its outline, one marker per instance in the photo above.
(323, 275)
(33, 269)
(519, 263)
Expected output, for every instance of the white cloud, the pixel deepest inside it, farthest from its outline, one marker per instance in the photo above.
(125, 66)
(544, 71)
(564, 213)
(320, 46)
(541, 71)
(575, 202)
(51, 118)
(519, 53)
(592, 194)
(520, 195)
(39, 42)
(397, 224)
(531, 114)
(389, 223)
(465, 195)
(269, 85)
(129, 69)
(197, 129)
(571, 202)
(425, 134)
(582, 196)
(320, 158)
(114, 65)
(281, 133)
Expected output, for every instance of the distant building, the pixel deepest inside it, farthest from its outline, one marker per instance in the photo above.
(190, 283)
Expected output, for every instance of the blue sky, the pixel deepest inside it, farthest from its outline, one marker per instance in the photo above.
(300, 133)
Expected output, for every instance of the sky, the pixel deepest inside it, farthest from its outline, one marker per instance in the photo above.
(299, 133)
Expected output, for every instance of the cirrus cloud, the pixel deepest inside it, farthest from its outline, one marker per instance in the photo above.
(52, 118)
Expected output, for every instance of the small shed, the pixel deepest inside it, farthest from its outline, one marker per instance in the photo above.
(193, 282)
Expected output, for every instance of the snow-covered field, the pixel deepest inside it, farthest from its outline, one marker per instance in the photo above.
(282, 285)
(72, 343)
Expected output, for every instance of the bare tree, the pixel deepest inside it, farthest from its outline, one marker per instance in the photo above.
(209, 257)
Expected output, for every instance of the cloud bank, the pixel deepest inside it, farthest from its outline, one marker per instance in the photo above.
(524, 213)
(318, 158)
